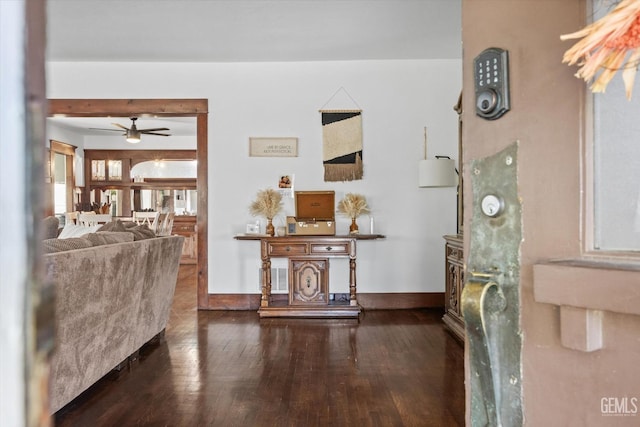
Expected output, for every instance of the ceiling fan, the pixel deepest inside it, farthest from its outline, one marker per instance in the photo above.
(133, 134)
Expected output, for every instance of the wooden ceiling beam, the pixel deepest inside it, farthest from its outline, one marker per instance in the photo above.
(127, 107)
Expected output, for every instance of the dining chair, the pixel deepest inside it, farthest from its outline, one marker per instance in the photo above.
(165, 224)
(149, 218)
(90, 219)
(71, 217)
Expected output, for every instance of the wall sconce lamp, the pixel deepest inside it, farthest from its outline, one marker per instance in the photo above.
(438, 172)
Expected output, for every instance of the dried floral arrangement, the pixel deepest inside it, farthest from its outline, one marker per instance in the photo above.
(353, 205)
(605, 45)
(267, 203)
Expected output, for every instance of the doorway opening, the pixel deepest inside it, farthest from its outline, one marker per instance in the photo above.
(198, 108)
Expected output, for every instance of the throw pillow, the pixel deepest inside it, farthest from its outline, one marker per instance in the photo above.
(50, 227)
(116, 225)
(109, 237)
(141, 232)
(73, 230)
(50, 246)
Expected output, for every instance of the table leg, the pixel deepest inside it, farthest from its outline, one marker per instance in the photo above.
(266, 281)
(352, 282)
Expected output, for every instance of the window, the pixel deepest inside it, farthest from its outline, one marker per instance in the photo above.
(616, 170)
(62, 163)
(115, 170)
(98, 170)
(616, 163)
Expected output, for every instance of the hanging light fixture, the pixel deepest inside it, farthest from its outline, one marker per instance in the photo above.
(133, 134)
(438, 172)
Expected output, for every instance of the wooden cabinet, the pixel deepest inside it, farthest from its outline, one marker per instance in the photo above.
(112, 171)
(308, 280)
(454, 256)
(308, 274)
(454, 282)
(185, 225)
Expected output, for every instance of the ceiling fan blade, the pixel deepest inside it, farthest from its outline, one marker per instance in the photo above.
(152, 129)
(153, 133)
(111, 130)
(120, 126)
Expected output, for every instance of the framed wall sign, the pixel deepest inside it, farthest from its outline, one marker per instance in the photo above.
(273, 147)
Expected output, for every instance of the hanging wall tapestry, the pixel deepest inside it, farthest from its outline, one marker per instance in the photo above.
(342, 145)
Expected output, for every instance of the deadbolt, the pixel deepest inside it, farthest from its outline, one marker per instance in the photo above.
(492, 205)
(487, 101)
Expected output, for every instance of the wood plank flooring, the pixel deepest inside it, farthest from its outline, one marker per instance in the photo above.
(229, 368)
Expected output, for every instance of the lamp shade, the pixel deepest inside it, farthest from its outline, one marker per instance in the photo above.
(437, 173)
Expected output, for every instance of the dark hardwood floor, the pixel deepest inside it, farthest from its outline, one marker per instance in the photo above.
(229, 368)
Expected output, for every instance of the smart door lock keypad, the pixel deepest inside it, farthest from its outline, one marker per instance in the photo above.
(488, 72)
(491, 75)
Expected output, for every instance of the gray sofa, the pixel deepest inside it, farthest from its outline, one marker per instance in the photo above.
(111, 299)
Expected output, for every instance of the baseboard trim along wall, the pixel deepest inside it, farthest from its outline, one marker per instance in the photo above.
(382, 301)
(402, 300)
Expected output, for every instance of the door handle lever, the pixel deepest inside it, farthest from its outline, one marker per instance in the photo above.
(480, 301)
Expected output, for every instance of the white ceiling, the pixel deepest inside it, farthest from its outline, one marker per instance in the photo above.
(247, 31)
(178, 126)
(252, 30)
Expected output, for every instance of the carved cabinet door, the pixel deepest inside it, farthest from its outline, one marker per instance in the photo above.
(308, 281)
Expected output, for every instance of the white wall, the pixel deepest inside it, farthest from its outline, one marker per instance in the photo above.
(398, 99)
(62, 134)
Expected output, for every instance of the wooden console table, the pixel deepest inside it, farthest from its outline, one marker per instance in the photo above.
(308, 274)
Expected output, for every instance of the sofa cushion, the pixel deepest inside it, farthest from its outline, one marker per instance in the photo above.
(50, 246)
(50, 227)
(140, 232)
(73, 230)
(109, 237)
